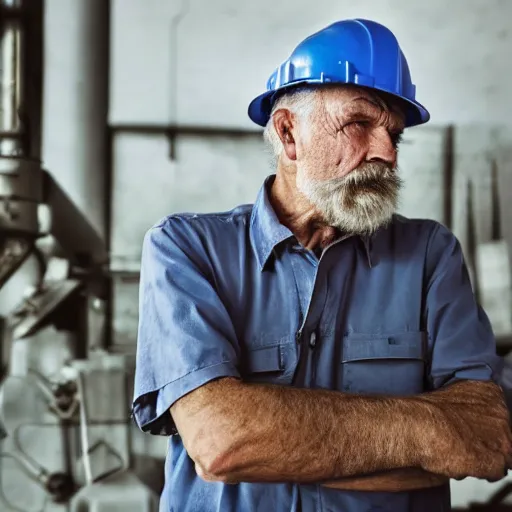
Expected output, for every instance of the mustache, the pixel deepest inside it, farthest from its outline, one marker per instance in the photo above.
(359, 202)
(369, 172)
(370, 178)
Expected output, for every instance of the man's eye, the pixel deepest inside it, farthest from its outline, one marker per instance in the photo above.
(358, 124)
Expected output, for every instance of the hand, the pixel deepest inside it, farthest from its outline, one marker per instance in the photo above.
(468, 432)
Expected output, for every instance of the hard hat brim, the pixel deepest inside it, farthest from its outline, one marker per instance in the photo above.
(260, 107)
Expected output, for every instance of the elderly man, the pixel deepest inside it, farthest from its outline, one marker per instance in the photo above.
(315, 351)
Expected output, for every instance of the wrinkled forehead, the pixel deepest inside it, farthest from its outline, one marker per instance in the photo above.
(349, 101)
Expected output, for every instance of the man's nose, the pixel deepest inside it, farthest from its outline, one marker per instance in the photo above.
(381, 148)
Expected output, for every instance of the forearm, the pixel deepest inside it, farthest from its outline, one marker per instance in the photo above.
(396, 480)
(465, 431)
(468, 408)
(272, 433)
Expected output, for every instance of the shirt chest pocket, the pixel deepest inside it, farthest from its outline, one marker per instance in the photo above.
(273, 364)
(384, 365)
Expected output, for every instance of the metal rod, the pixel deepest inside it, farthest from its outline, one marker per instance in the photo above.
(84, 434)
(31, 468)
(11, 83)
(184, 130)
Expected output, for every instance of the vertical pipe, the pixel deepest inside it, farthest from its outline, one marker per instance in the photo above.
(75, 102)
(11, 83)
(13, 153)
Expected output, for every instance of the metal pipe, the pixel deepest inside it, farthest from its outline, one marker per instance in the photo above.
(75, 103)
(177, 130)
(11, 82)
(84, 434)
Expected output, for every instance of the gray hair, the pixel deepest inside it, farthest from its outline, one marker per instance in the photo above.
(300, 101)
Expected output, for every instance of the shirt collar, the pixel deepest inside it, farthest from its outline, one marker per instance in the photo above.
(266, 232)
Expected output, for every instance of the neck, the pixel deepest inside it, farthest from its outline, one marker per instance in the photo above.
(295, 211)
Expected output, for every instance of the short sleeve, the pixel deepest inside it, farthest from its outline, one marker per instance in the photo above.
(185, 335)
(462, 340)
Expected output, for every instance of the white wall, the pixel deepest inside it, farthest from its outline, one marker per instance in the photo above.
(210, 174)
(200, 62)
(458, 51)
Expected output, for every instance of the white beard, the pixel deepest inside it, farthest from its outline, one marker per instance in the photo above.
(360, 202)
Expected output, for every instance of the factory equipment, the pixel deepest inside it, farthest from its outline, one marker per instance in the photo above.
(58, 380)
(64, 393)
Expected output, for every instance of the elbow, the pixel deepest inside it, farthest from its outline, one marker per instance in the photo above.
(213, 434)
(215, 470)
(215, 455)
(216, 463)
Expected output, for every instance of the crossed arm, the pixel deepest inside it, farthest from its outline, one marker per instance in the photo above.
(236, 431)
(245, 432)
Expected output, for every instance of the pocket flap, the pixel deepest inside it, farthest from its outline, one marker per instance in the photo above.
(266, 359)
(406, 345)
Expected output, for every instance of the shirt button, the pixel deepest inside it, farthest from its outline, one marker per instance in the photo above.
(312, 340)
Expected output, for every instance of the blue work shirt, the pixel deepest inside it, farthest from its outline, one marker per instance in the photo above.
(235, 295)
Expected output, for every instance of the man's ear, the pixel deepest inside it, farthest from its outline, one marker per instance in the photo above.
(284, 123)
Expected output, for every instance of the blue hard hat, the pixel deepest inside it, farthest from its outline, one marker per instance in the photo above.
(358, 52)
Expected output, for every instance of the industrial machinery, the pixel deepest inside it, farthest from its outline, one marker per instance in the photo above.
(67, 442)
(65, 419)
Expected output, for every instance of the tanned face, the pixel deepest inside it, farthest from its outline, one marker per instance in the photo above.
(344, 154)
